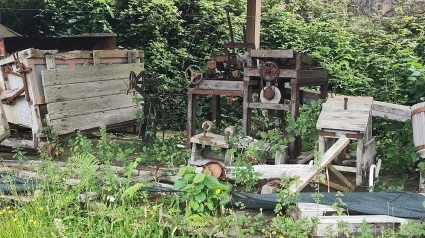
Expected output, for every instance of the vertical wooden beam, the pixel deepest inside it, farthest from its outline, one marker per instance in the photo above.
(323, 91)
(246, 115)
(216, 110)
(191, 118)
(359, 162)
(253, 19)
(295, 147)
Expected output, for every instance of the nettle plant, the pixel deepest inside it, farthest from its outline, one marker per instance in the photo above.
(201, 192)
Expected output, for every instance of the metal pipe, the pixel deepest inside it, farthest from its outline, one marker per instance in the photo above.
(372, 170)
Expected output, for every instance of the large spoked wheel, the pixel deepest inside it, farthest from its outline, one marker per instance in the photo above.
(147, 129)
(269, 71)
(193, 74)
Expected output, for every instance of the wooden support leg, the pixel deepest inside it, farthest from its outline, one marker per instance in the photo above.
(295, 107)
(191, 118)
(247, 112)
(322, 145)
(359, 163)
(323, 91)
(216, 110)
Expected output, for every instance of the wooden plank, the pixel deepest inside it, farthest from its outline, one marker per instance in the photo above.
(340, 178)
(271, 171)
(89, 74)
(334, 151)
(86, 106)
(50, 62)
(270, 106)
(284, 73)
(83, 90)
(272, 53)
(83, 122)
(359, 162)
(220, 85)
(310, 210)
(345, 168)
(235, 93)
(391, 111)
(333, 186)
(330, 225)
(343, 120)
(96, 57)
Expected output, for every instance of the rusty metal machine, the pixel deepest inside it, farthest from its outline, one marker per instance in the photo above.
(228, 66)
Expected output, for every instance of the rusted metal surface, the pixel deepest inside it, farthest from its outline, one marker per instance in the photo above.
(416, 111)
(269, 71)
(21, 72)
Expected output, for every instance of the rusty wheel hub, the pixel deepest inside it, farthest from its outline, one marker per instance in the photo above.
(269, 93)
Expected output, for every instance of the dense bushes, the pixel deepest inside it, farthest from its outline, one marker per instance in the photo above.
(365, 55)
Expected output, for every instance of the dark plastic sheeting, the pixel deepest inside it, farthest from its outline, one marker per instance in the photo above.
(398, 204)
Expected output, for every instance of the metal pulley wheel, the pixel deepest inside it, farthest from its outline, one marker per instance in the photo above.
(193, 74)
(270, 94)
(269, 71)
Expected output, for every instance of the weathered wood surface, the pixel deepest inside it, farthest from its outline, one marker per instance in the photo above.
(310, 210)
(284, 73)
(339, 178)
(220, 85)
(93, 120)
(418, 123)
(355, 118)
(4, 125)
(271, 106)
(380, 109)
(271, 171)
(86, 106)
(327, 224)
(86, 98)
(89, 74)
(391, 111)
(272, 53)
(68, 92)
(334, 151)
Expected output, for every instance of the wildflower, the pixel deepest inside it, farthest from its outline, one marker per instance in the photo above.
(31, 220)
(281, 237)
(274, 233)
(41, 208)
(14, 219)
(165, 87)
(19, 225)
(35, 223)
(217, 191)
(33, 200)
(10, 211)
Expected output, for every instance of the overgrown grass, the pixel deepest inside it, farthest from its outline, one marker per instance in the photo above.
(107, 204)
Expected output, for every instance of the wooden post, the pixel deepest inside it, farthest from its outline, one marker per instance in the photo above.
(359, 162)
(253, 19)
(216, 110)
(191, 117)
(246, 120)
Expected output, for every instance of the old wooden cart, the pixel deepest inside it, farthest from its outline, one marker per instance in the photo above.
(74, 90)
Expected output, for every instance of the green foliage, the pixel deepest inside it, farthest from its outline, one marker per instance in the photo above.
(164, 151)
(202, 192)
(305, 125)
